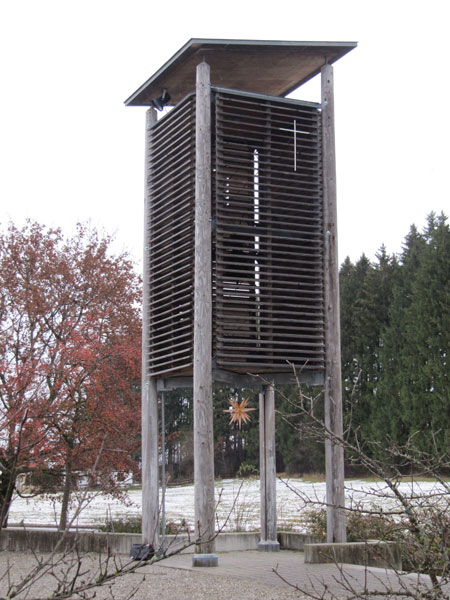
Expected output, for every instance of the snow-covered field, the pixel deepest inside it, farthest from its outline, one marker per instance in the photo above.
(237, 500)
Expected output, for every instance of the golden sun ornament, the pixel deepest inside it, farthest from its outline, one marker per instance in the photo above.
(239, 412)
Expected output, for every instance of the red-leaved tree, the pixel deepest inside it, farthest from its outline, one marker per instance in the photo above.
(69, 357)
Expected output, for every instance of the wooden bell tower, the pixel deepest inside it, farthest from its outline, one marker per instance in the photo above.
(240, 260)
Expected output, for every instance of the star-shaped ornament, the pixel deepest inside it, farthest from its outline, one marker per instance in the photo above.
(239, 412)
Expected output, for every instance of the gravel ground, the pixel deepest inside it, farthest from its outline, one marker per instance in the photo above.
(148, 582)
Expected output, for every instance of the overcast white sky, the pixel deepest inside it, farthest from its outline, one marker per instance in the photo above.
(70, 151)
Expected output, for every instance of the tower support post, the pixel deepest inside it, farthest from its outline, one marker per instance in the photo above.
(149, 395)
(268, 475)
(334, 451)
(202, 371)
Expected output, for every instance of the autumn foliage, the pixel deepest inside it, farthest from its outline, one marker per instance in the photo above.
(69, 355)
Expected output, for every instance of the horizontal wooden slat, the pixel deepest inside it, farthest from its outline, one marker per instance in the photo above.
(268, 271)
(171, 234)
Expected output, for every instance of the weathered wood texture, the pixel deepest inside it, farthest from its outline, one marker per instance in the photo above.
(267, 290)
(334, 452)
(171, 225)
(268, 473)
(150, 485)
(268, 67)
(262, 465)
(203, 412)
(268, 241)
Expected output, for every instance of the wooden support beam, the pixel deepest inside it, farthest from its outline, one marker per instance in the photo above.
(267, 468)
(334, 452)
(202, 376)
(262, 465)
(150, 482)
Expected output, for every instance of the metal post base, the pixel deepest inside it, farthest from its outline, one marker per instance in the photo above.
(268, 546)
(205, 560)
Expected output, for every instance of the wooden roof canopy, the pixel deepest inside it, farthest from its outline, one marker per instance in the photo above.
(274, 68)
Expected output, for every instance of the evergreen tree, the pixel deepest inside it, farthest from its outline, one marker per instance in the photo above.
(388, 421)
(366, 291)
(297, 452)
(179, 431)
(351, 280)
(426, 387)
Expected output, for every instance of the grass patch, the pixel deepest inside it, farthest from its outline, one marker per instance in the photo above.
(133, 524)
(122, 525)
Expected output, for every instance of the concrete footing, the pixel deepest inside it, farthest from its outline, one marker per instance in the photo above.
(291, 540)
(268, 546)
(205, 560)
(374, 553)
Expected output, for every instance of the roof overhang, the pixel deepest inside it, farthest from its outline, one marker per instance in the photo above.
(274, 68)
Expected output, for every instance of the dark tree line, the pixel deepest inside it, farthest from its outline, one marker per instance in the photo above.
(396, 340)
(395, 335)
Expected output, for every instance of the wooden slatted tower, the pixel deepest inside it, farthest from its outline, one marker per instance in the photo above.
(240, 268)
